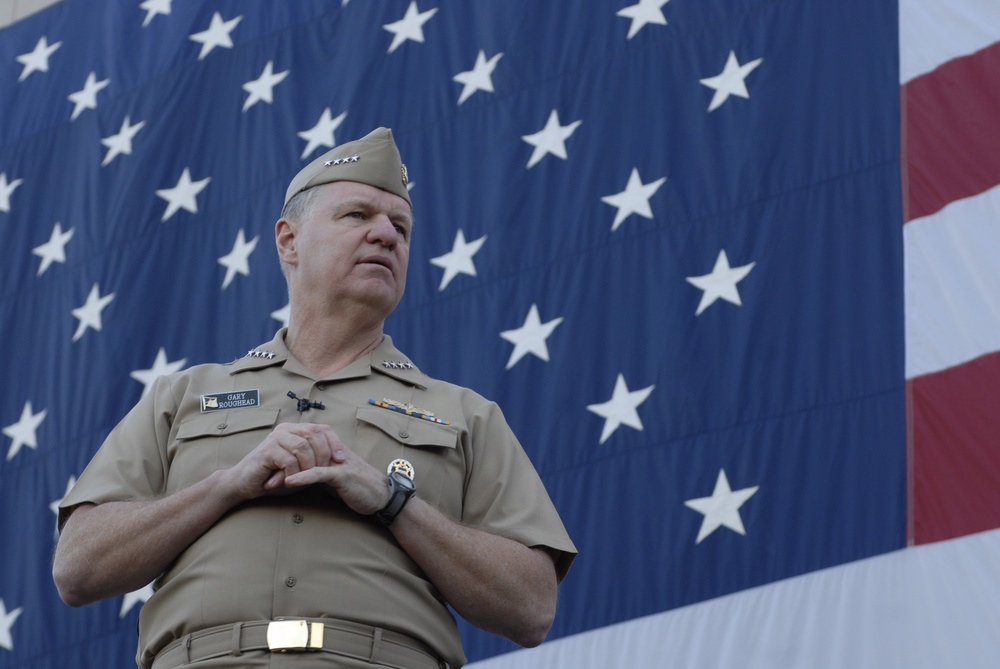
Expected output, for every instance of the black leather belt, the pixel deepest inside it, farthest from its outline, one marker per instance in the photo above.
(298, 635)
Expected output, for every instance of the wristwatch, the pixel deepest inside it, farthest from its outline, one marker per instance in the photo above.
(401, 490)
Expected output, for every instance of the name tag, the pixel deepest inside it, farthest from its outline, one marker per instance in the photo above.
(239, 399)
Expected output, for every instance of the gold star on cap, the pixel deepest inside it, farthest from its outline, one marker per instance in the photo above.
(373, 160)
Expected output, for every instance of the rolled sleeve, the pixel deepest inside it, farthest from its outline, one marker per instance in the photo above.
(132, 463)
(505, 495)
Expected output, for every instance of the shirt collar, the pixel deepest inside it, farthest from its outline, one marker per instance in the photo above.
(384, 359)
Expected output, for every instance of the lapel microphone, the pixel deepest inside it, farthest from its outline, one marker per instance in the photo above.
(303, 405)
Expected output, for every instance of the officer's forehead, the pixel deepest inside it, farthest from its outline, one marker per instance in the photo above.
(341, 194)
(347, 188)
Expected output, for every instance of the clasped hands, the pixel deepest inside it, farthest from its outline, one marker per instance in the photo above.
(297, 455)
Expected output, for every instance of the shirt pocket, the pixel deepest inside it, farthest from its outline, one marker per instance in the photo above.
(217, 440)
(430, 448)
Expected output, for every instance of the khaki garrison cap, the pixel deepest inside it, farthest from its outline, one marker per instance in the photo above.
(373, 160)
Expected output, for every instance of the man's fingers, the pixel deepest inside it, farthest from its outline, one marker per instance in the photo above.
(276, 481)
(299, 447)
(308, 477)
(292, 449)
(334, 446)
(308, 442)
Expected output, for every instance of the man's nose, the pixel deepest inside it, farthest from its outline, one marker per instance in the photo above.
(382, 231)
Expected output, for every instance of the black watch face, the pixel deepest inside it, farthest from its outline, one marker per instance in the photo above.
(402, 481)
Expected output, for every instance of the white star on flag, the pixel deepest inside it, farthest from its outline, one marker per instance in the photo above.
(183, 195)
(642, 13)
(122, 142)
(530, 337)
(634, 199)
(53, 250)
(550, 139)
(479, 78)
(238, 260)
(459, 259)
(721, 283)
(54, 506)
(89, 314)
(722, 508)
(86, 97)
(7, 188)
(154, 7)
(732, 80)
(262, 88)
(621, 408)
(410, 27)
(217, 34)
(283, 315)
(161, 367)
(140, 596)
(22, 433)
(37, 60)
(7, 621)
(321, 134)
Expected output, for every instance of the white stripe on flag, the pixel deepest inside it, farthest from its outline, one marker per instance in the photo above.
(952, 280)
(928, 607)
(932, 32)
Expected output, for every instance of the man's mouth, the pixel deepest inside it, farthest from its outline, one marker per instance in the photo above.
(377, 260)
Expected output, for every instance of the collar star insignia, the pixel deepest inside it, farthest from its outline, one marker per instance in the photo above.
(397, 364)
(341, 161)
(258, 353)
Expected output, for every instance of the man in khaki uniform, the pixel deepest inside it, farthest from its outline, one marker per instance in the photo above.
(320, 501)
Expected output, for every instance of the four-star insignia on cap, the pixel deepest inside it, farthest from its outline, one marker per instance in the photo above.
(397, 364)
(258, 353)
(340, 161)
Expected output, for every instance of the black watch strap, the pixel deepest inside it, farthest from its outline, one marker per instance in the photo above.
(401, 490)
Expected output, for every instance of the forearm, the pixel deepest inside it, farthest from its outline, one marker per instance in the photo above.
(495, 583)
(118, 547)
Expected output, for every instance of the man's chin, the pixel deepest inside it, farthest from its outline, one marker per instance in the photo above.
(381, 297)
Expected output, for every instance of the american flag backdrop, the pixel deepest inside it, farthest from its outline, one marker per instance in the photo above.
(729, 267)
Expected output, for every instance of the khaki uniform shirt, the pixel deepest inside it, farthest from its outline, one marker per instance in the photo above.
(307, 554)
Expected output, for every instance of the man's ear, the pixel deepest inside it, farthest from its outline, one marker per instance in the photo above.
(285, 239)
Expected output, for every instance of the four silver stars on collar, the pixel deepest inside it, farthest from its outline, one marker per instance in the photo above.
(340, 161)
(388, 364)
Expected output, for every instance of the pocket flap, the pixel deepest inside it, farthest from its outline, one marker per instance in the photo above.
(409, 430)
(238, 420)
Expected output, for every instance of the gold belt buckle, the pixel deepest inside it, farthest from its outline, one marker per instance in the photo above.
(287, 635)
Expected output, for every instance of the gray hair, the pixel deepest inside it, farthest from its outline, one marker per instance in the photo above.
(299, 205)
(295, 210)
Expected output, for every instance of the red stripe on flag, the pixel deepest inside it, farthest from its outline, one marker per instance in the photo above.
(952, 138)
(955, 420)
